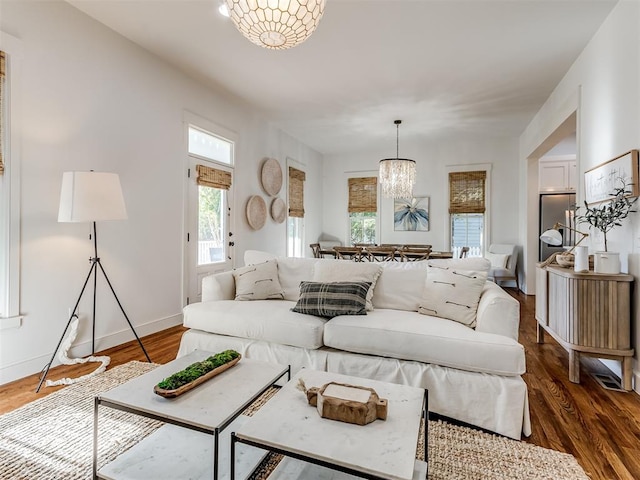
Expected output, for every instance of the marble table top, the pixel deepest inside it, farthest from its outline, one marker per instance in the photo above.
(209, 405)
(384, 448)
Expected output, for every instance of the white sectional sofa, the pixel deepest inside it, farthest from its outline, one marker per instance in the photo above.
(473, 373)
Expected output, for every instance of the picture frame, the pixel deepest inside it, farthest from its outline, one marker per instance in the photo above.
(601, 181)
(411, 214)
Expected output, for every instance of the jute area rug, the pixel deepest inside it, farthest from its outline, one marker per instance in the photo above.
(52, 439)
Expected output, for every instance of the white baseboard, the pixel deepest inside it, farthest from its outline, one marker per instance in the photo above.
(25, 368)
(636, 381)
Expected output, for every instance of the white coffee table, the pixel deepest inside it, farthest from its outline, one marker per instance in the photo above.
(288, 425)
(184, 448)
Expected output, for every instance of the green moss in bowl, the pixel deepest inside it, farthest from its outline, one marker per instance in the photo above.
(198, 369)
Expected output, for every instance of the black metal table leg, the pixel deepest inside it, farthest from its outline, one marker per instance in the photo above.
(232, 466)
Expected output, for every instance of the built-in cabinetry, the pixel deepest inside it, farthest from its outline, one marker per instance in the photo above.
(586, 313)
(557, 176)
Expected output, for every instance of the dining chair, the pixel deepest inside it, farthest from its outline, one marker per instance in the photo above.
(501, 270)
(381, 254)
(349, 253)
(414, 254)
(315, 249)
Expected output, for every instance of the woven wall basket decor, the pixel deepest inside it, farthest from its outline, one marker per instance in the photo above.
(278, 210)
(256, 212)
(271, 176)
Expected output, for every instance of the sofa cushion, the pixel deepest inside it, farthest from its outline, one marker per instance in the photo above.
(292, 271)
(268, 320)
(452, 293)
(400, 285)
(348, 271)
(409, 336)
(332, 299)
(471, 263)
(258, 282)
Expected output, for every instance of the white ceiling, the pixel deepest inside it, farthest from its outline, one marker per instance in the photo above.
(445, 67)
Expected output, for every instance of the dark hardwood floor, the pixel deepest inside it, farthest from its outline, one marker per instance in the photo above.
(600, 427)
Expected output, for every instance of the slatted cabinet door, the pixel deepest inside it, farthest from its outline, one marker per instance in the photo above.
(587, 313)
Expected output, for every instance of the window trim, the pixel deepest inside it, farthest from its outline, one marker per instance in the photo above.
(475, 167)
(347, 221)
(10, 184)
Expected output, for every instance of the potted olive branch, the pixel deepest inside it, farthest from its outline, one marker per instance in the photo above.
(607, 215)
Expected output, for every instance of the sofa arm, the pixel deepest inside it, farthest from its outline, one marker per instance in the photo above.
(219, 286)
(498, 312)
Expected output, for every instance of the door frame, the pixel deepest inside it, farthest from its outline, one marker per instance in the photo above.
(192, 119)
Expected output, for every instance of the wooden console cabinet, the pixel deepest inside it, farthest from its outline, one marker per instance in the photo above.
(588, 314)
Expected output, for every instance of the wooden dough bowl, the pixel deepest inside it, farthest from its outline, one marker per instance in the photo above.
(350, 411)
(194, 383)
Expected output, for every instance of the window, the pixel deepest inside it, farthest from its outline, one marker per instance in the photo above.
(363, 203)
(467, 192)
(295, 221)
(212, 188)
(467, 230)
(3, 64)
(207, 145)
(10, 110)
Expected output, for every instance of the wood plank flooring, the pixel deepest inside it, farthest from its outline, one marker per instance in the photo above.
(601, 428)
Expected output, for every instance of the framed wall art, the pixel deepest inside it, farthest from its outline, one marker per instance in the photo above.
(411, 214)
(601, 181)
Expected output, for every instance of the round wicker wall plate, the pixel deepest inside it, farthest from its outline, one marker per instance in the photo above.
(271, 176)
(256, 212)
(278, 210)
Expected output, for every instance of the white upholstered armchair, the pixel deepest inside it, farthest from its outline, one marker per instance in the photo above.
(504, 263)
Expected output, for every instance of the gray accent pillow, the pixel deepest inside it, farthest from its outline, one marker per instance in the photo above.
(258, 282)
(333, 298)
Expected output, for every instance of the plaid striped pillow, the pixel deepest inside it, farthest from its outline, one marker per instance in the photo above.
(332, 299)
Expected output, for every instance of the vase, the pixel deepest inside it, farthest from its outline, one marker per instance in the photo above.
(581, 261)
(607, 262)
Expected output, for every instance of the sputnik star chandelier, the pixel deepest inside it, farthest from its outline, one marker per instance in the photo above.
(276, 24)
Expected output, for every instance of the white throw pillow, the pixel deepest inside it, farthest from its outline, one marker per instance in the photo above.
(453, 293)
(400, 285)
(348, 271)
(498, 260)
(292, 271)
(258, 282)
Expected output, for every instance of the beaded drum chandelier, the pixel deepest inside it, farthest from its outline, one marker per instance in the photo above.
(276, 24)
(397, 175)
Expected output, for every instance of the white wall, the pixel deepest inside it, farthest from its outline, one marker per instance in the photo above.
(94, 100)
(605, 79)
(432, 159)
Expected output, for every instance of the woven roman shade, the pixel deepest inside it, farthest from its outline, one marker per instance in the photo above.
(212, 177)
(296, 192)
(363, 195)
(467, 192)
(3, 68)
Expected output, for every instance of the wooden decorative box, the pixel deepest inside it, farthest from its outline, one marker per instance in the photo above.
(347, 403)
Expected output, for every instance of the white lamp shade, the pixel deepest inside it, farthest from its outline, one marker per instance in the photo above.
(552, 237)
(91, 197)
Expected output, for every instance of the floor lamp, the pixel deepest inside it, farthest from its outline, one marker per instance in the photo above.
(91, 197)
